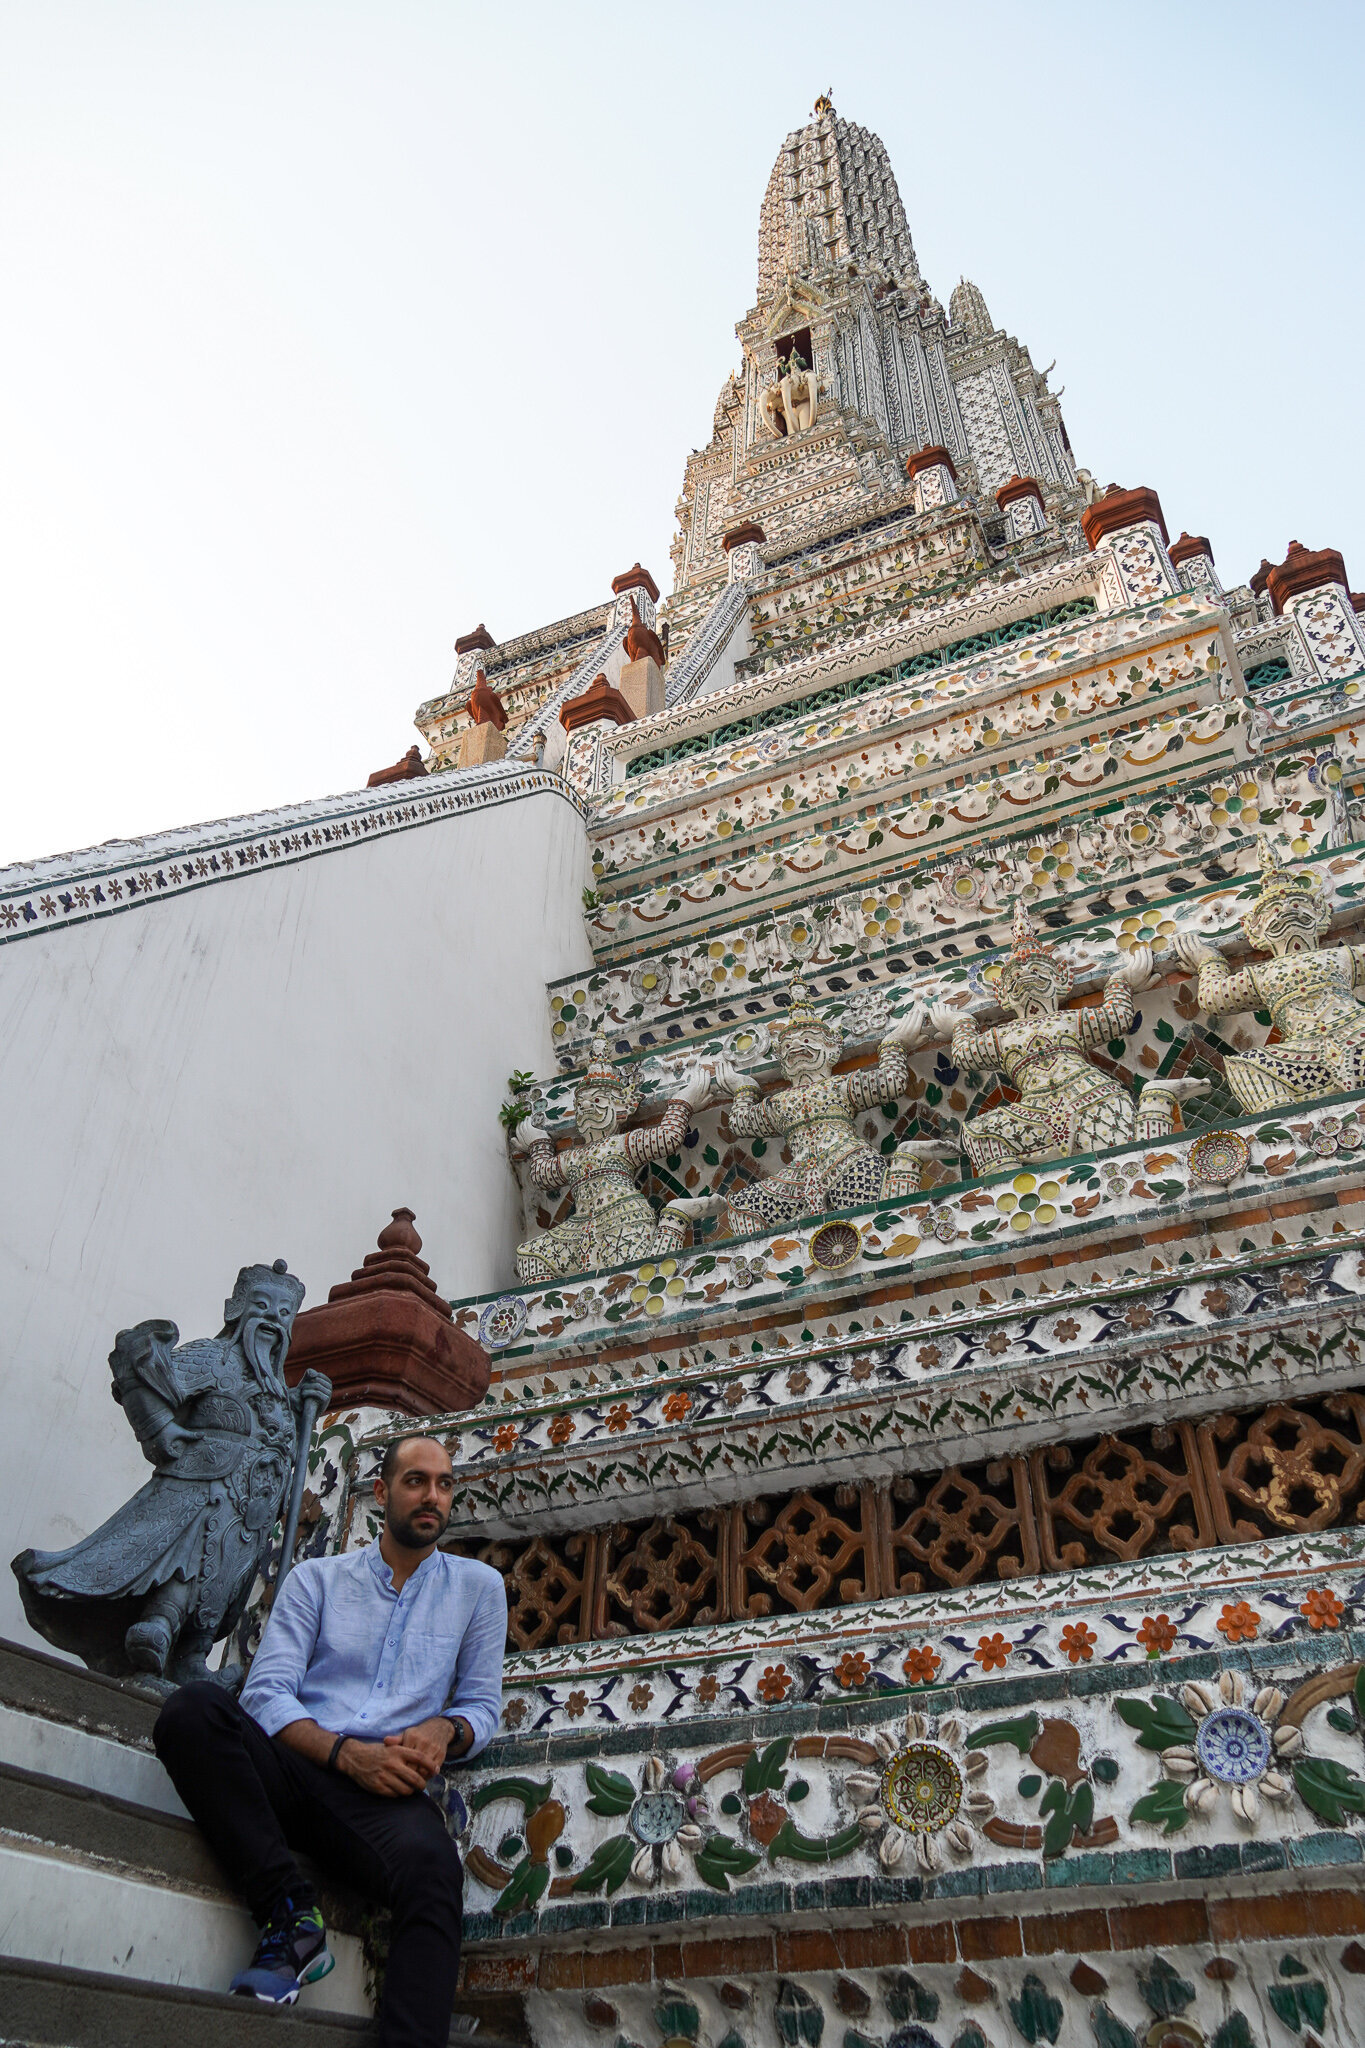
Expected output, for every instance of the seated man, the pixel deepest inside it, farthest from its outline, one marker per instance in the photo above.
(375, 1666)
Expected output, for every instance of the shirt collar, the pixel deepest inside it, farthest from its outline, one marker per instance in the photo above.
(384, 1574)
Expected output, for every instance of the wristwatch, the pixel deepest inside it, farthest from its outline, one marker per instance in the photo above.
(459, 1721)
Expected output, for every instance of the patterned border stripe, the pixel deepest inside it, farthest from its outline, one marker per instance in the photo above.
(76, 888)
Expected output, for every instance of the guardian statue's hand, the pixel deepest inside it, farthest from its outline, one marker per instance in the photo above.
(727, 1076)
(1195, 951)
(695, 1091)
(1135, 968)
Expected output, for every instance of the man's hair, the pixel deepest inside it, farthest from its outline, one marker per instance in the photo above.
(388, 1464)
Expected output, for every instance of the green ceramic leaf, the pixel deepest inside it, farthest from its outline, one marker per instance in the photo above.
(523, 1893)
(1021, 1732)
(720, 1858)
(1329, 1788)
(1165, 1807)
(609, 1865)
(1162, 1722)
(789, 1841)
(763, 1771)
(531, 1795)
(611, 1793)
(1110, 2031)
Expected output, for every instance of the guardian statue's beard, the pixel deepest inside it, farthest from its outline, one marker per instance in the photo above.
(263, 1340)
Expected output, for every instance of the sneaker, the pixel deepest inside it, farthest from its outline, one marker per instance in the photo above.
(291, 1952)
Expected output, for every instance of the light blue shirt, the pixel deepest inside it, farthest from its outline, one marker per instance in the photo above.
(343, 1649)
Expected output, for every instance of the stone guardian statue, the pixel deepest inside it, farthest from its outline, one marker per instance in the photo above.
(168, 1575)
(1311, 995)
(613, 1223)
(832, 1166)
(1066, 1104)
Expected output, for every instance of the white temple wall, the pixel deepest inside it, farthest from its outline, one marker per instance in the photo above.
(261, 1068)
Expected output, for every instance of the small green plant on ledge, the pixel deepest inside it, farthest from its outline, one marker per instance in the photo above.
(520, 1100)
(592, 900)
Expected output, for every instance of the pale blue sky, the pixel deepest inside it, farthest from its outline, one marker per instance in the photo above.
(332, 329)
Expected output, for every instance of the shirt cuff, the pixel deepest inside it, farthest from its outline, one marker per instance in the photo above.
(275, 1711)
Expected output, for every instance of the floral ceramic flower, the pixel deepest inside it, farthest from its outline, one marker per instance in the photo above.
(708, 1686)
(920, 1800)
(514, 1713)
(1293, 1286)
(861, 1369)
(940, 1223)
(1156, 1634)
(1078, 1642)
(505, 1437)
(997, 1342)
(775, 1684)
(1068, 1328)
(929, 1356)
(921, 1666)
(576, 1704)
(640, 1696)
(1239, 1622)
(561, 1429)
(853, 1669)
(1323, 1608)
(991, 1652)
(618, 1416)
(1217, 1301)
(1235, 1746)
(747, 1272)
(677, 1407)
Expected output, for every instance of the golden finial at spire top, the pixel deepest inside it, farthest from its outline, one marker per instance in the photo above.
(825, 103)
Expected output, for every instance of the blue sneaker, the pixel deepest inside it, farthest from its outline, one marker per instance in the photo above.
(291, 1952)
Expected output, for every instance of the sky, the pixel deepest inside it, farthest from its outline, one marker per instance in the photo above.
(333, 330)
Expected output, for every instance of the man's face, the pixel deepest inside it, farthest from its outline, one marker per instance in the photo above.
(416, 1501)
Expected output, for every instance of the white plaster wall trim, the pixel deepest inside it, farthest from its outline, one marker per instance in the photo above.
(71, 889)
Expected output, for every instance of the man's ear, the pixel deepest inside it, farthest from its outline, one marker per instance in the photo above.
(380, 1490)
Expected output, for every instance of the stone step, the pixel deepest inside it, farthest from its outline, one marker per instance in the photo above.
(49, 2005)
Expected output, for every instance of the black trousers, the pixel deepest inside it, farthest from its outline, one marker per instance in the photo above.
(257, 1801)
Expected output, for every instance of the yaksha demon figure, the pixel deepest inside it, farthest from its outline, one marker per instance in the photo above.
(166, 1577)
(832, 1167)
(1066, 1104)
(1310, 995)
(612, 1221)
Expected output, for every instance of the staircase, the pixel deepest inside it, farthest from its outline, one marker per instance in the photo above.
(117, 1927)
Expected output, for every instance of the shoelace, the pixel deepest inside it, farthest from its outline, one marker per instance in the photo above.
(276, 1948)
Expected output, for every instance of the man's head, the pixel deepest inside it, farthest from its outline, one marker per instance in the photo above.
(414, 1487)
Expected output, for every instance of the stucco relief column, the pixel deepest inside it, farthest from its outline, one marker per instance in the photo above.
(934, 475)
(1192, 559)
(1021, 501)
(1309, 588)
(1127, 529)
(742, 557)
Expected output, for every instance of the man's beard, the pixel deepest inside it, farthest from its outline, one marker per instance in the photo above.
(403, 1530)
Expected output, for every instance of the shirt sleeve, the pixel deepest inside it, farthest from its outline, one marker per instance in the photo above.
(271, 1692)
(476, 1695)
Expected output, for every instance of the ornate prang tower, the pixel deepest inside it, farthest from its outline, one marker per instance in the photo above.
(926, 1443)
